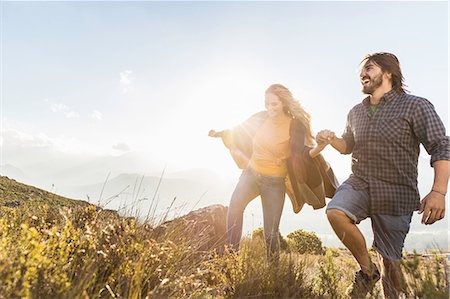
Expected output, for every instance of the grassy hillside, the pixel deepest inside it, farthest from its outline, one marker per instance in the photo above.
(54, 247)
(13, 194)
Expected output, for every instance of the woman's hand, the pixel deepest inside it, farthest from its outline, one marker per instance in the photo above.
(212, 133)
(325, 137)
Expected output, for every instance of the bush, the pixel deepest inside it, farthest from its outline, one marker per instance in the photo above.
(305, 242)
(327, 281)
(259, 234)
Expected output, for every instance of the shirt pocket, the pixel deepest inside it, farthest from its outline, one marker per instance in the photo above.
(394, 130)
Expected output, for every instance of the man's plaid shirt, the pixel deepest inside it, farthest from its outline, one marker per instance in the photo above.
(385, 149)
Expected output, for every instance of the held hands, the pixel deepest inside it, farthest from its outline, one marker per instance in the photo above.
(432, 207)
(325, 137)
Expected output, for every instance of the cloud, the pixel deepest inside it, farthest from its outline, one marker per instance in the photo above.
(121, 146)
(58, 107)
(97, 115)
(13, 140)
(72, 114)
(125, 80)
(64, 109)
(21, 147)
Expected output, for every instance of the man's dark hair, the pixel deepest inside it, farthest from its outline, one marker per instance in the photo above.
(388, 63)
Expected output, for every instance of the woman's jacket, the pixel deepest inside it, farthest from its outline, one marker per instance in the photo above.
(309, 180)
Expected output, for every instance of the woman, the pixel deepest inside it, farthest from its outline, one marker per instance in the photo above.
(273, 148)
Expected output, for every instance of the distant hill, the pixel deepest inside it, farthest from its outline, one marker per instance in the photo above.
(96, 169)
(189, 189)
(126, 182)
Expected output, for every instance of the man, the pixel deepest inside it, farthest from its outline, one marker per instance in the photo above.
(383, 134)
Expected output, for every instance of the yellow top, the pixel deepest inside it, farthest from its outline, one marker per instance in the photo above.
(271, 148)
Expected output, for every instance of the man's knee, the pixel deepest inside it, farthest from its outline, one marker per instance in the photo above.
(336, 216)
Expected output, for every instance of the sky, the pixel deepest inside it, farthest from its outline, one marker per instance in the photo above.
(106, 79)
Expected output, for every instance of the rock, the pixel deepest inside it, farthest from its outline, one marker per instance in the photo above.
(203, 229)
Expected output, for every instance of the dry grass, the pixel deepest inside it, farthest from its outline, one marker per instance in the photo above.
(80, 251)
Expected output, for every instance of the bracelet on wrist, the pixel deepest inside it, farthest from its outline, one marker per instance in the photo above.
(441, 193)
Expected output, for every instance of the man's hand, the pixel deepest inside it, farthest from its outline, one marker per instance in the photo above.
(325, 137)
(432, 207)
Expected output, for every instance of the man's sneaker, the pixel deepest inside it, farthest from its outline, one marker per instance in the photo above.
(362, 284)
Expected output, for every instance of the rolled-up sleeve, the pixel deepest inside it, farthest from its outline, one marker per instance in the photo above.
(430, 131)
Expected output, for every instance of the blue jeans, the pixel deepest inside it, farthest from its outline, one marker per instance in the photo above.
(272, 191)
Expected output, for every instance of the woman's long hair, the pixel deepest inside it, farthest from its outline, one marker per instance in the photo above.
(293, 108)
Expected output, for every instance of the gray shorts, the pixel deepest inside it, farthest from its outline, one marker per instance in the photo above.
(389, 231)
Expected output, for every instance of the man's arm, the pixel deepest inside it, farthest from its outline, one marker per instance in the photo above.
(339, 144)
(343, 145)
(433, 205)
(430, 131)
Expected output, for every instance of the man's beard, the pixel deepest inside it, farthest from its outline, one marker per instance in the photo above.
(373, 84)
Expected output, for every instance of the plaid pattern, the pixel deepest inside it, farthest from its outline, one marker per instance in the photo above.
(385, 149)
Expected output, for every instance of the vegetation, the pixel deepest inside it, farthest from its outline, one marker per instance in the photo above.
(258, 235)
(60, 248)
(305, 242)
(426, 279)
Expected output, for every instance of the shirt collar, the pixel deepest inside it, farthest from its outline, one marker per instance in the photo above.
(387, 97)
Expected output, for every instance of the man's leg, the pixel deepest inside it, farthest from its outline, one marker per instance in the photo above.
(352, 238)
(389, 237)
(391, 277)
(347, 208)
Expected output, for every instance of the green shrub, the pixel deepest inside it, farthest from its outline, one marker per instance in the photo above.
(327, 282)
(305, 242)
(258, 234)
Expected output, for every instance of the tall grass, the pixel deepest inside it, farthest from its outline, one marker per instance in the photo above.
(426, 277)
(49, 252)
